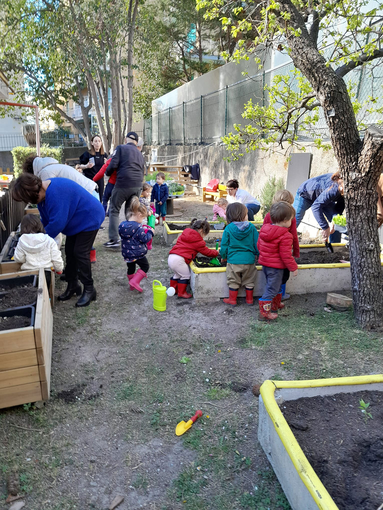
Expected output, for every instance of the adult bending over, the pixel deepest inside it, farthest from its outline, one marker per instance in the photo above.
(66, 207)
(129, 163)
(324, 195)
(234, 194)
(90, 167)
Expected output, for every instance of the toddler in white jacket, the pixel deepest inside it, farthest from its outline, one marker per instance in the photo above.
(36, 249)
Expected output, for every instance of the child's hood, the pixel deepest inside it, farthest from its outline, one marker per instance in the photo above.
(270, 232)
(240, 229)
(40, 163)
(34, 243)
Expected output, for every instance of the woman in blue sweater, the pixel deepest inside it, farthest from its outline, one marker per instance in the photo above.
(324, 195)
(66, 207)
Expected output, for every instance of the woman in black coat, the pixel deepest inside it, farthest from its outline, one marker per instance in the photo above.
(89, 169)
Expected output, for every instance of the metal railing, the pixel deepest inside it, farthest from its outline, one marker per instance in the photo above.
(206, 119)
(8, 142)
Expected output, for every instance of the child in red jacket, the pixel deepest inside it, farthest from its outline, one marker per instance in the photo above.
(188, 244)
(286, 196)
(274, 245)
(109, 187)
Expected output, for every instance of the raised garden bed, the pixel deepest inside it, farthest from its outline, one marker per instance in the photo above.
(16, 292)
(210, 282)
(26, 345)
(349, 474)
(173, 229)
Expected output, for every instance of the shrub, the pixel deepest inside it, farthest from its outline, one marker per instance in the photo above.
(268, 191)
(20, 154)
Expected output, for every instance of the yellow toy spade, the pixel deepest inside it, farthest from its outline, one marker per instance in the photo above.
(182, 427)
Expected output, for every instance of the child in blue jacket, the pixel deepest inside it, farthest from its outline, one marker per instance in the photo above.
(160, 193)
(134, 241)
(239, 247)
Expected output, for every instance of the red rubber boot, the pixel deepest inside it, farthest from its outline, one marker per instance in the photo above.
(276, 303)
(93, 256)
(232, 299)
(265, 313)
(130, 276)
(249, 296)
(174, 284)
(182, 284)
(135, 281)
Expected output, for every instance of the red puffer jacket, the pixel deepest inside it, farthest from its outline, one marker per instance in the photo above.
(189, 243)
(274, 245)
(292, 230)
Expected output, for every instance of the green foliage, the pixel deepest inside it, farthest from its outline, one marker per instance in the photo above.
(363, 406)
(339, 219)
(20, 154)
(268, 191)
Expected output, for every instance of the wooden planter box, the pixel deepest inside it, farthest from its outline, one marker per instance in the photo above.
(10, 266)
(31, 210)
(25, 353)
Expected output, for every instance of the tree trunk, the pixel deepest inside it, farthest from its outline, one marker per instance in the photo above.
(361, 211)
(132, 14)
(360, 165)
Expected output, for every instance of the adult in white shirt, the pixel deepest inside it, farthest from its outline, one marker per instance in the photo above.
(235, 194)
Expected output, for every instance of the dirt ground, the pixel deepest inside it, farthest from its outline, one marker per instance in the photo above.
(124, 375)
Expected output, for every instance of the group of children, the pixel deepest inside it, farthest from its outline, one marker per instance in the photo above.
(276, 245)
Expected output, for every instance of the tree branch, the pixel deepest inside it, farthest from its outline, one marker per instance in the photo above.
(362, 59)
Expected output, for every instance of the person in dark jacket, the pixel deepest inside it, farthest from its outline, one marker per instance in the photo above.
(160, 193)
(90, 167)
(188, 244)
(66, 207)
(129, 163)
(275, 244)
(134, 243)
(324, 195)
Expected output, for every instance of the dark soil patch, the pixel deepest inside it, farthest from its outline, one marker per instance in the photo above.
(72, 395)
(19, 296)
(344, 449)
(322, 256)
(174, 226)
(15, 322)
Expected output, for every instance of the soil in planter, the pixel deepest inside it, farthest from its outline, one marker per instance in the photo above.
(322, 256)
(175, 226)
(344, 449)
(18, 296)
(202, 261)
(15, 322)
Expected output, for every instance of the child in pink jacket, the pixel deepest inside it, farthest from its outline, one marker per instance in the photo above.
(219, 209)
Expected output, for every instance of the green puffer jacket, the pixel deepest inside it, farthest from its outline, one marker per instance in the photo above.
(239, 243)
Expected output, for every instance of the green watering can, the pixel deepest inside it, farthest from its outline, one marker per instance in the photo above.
(215, 261)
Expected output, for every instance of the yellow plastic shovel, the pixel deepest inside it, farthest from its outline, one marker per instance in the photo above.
(182, 427)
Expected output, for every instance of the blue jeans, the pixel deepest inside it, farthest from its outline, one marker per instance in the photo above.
(273, 282)
(301, 205)
(107, 194)
(252, 209)
(161, 209)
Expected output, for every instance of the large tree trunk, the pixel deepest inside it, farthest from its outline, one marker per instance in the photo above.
(360, 165)
(361, 211)
(132, 14)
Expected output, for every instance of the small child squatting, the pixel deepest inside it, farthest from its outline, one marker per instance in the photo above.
(35, 248)
(134, 243)
(275, 245)
(188, 244)
(239, 247)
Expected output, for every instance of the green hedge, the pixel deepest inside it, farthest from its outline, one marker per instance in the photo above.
(20, 154)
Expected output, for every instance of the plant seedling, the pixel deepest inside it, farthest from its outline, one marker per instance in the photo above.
(363, 406)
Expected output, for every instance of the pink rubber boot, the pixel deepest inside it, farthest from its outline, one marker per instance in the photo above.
(135, 281)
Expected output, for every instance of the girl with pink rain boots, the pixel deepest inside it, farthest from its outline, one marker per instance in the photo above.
(134, 243)
(275, 244)
(188, 244)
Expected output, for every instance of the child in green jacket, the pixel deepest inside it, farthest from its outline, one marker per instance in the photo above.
(239, 247)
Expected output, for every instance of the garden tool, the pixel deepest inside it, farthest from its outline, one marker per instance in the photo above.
(329, 247)
(215, 261)
(182, 427)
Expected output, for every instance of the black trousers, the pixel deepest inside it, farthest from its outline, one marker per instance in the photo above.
(77, 251)
(142, 263)
(286, 275)
(100, 185)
